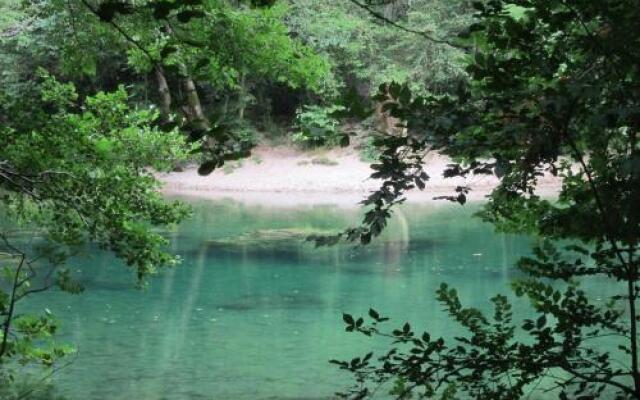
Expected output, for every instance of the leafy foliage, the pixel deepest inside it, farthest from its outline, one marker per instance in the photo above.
(400, 168)
(319, 125)
(190, 58)
(81, 174)
(552, 91)
(366, 52)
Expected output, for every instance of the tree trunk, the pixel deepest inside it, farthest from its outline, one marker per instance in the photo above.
(225, 105)
(396, 10)
(242, 97)
(193, 107)
(164, 93)
(387, 123)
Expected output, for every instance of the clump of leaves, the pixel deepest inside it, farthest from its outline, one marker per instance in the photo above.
(319, 125)
(81, 173)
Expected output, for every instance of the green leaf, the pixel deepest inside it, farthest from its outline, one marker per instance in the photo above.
(541, 322)
(104, 146)
(516, 12)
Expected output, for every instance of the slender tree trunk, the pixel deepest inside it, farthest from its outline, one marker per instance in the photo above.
(243, 96)
(225, 105)
(193, 106)
(387, 123)
(396, 10)
(164, 93)
(12, 303)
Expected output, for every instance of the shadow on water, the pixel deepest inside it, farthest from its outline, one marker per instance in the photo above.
(272, 302)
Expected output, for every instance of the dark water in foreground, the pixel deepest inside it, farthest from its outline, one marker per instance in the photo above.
(253, 313)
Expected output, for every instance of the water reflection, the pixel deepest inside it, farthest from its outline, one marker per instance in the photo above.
(254, 312)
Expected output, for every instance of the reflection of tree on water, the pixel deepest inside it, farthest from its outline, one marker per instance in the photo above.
(393, 252)
(167, 351)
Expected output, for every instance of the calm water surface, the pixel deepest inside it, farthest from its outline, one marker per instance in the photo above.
(254, 313)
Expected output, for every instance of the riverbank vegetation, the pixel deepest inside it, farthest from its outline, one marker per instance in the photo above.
(97, 97)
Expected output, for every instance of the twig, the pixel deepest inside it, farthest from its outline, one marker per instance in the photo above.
(425, 35)
(128, 37)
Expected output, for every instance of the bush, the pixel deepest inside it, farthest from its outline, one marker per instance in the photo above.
(318, 125)
(246, 134)
(368, 150)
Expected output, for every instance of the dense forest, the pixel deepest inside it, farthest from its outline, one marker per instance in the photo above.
(101, 100)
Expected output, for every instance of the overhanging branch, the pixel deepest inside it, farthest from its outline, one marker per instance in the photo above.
(424, 34)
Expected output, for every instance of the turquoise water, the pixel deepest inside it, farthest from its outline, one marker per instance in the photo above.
(254, 313)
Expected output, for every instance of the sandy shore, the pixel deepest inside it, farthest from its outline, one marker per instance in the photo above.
(281, 176)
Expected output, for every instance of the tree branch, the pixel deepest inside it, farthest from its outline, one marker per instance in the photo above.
(124, 34)
(425, 35)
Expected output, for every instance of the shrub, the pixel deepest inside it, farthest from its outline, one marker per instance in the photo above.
(318, 125)
(368, 150)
